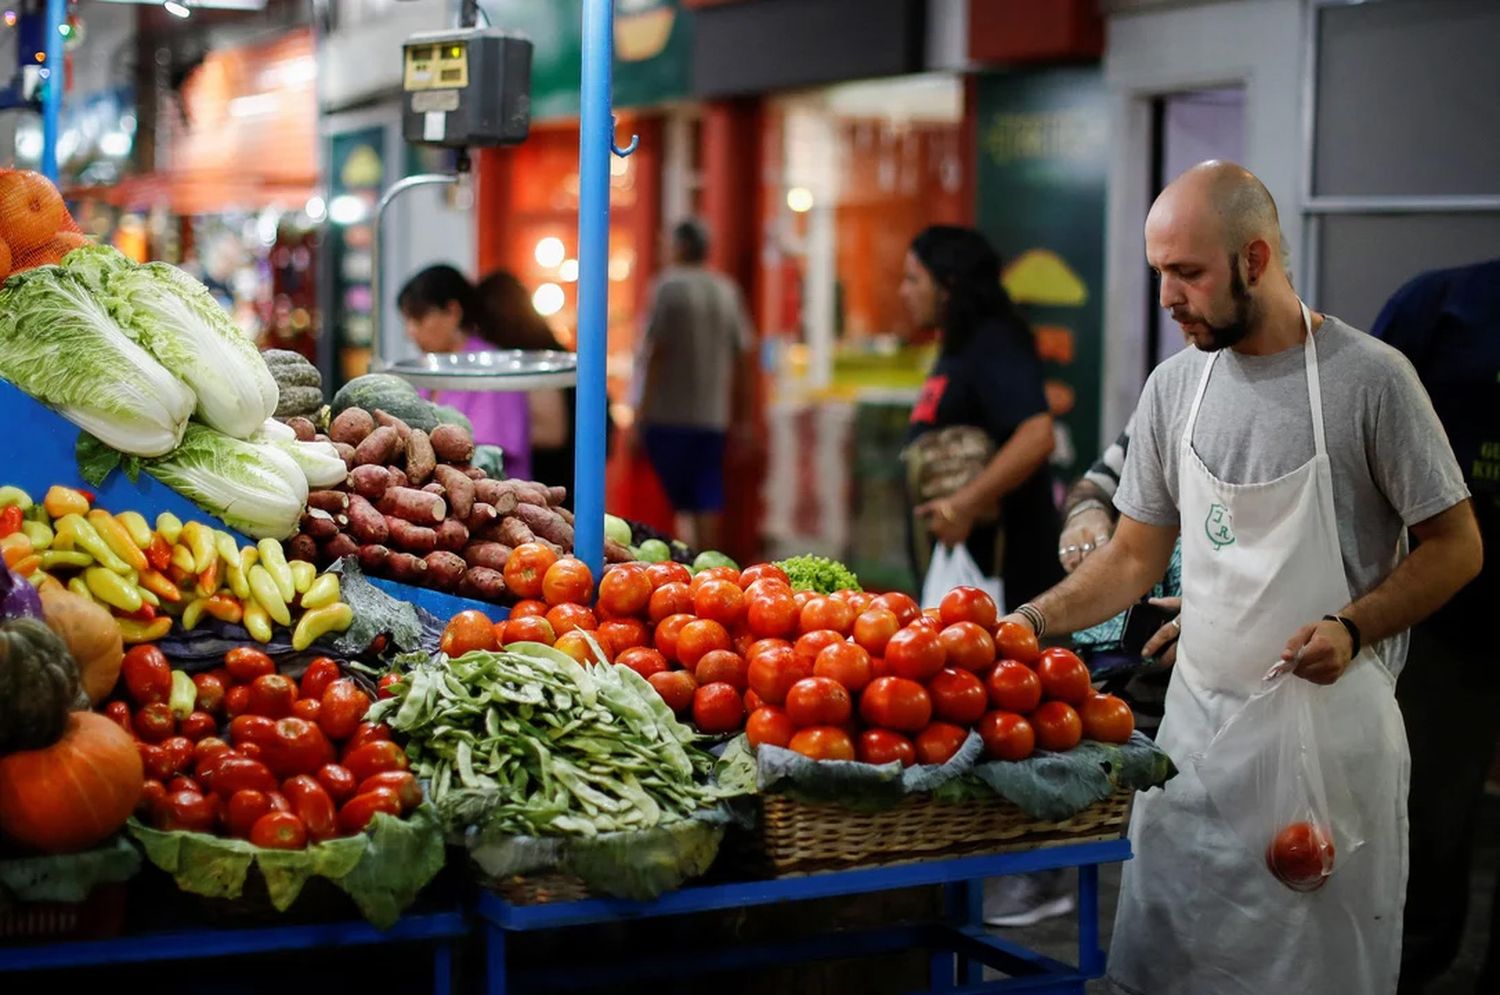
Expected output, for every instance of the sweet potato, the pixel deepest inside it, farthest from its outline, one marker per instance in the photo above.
(365, 523)
(380, 448)
(452, 535)
(445, 570)
(340, 546)
(333, 502)
(472, 472)
(405, 567)
(531, 492)
(415, 506)
(398, 477)
(616, 553)
(319, 524)
(460, 490)
(372, 559)
(483, 583)
(346, 453)
(557, 550)
(452, 444)
(514, 532)
(435, 488)
(491, 491)
(420, 458)
(305, 429)
(546, 524)
(352, 426)
(302, 547)
(557, 495)
(487, 554)
(481, 516)
(369, 482)
(564, 514)
(412, 538)
(390, 420)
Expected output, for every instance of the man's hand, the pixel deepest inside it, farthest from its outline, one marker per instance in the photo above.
(1326, 650)
(949, 521)
(1083, 533)
(1164, 642)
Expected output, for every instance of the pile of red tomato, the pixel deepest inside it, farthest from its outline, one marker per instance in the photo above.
(296, 762)
(847, 676)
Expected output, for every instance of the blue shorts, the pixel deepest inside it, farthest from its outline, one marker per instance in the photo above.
(689, 462)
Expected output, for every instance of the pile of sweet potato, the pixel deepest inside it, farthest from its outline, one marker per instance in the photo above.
(415, 511)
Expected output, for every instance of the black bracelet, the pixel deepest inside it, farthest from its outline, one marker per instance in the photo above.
(1349, 627)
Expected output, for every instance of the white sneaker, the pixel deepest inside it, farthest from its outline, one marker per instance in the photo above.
(1026, 899)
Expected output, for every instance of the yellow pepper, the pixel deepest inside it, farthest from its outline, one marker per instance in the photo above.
(15, 497)
(234, 579)
(303, 575)
(169, 526)
(229, 552)
(275, 563)
(132, 631)
(265, 592)
(208, 580)
(65, 501)
(39, 533)
(193, 613)
(117, 539)
(79, 587)
(323, 592)
(147, 597)
(54, 558)
(200, 539)
(87, 538)
(112, 589)
(160, 585)
(317, 623)
(135, 523)
(257, 622)
(249, 557)
(182, 559)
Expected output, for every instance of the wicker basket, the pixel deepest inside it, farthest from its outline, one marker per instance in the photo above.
(798, 838)
(98, 917)
(541, 889)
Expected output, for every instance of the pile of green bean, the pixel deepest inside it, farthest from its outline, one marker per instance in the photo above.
(528, 741)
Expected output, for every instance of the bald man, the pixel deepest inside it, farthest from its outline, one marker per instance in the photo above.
(1292, 454)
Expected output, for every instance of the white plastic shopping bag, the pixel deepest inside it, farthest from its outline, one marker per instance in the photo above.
(1279, 775)
(951, 567)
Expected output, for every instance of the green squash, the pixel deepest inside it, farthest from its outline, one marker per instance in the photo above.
(39, 685)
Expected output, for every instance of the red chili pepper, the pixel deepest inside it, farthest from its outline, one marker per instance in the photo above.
(145, 613)
(88, 495)
(10, 521)
(159, 553)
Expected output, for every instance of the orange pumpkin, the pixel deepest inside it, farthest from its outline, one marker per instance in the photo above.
(74, 793)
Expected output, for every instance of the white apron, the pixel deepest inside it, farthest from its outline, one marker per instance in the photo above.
(1199, 913)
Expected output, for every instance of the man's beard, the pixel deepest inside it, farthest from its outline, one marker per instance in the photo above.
(1230, 334)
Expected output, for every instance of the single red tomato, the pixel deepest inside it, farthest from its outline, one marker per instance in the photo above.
(188, 810)
(967, 604)
(368, 732)
(721, 601)
(179, 751)
(210, 692)
(882, 746)
(1014, 687)
(375, 758)
(969, 646)
(567, 617)
(676, 688)
(233, 774)
(146, 674)
(256, 729)
(772, 612)
(403, 782)
(764, 644)
(874, 628)
(823, 743)
(324, 671)
(672, 598)
(237, 700)
(184, 783)
(243, 809)
(860, 601)
(154, 722)
(718, 708)
(1064, 676)
(1301, 856)
(769, 724)
(155, 762)
(903, 606)
(896, 703)
(466, 632)
(723, 667)
(958, 696)
(714, 573)
(766, 585)
(575, 643)
(279, 831)
(818, 701)
(197, 725)
(810, 644)
(644, 661)
(698, 638)
(803, 597)
(153, 796)
(939, 743)
(763, 571)
(1106, 718)
(846, 663)
(308, 709)
(272, 695)
(928, 623)
(527, 565)
(1013, 641)
(1007, 736)
(119, 713)
(1057, 725)
(246, 663)
(206, 750)
(568, 582)
(625, 591)
(668, 573)
(754, 702)
(344, 707)
(826, 613)
(298, 747)
(529, 629)
(668, 630)
(383, 686)
(338, 782)
(915, 653)
(530, 608)
(313, 805)
(773, 671)
(279, 802)
(357, 813)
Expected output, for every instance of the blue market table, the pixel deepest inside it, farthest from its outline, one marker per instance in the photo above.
(960, 946)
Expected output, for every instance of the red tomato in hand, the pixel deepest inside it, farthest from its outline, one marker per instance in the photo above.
(1301, 856)
(243, 809)
(338, 782)
(568, 582)
(530, 629)
(915, 653)
(774, 670)
(668, 631)
(676, 688)
(1007, 736)
(375, 758)
(344, 707)
(723, 667)
(901, 605)
(644, 661)
(958, 696)
(324, 671)
(772, 612)
(881, 746)
(1064, 676)
(823, 743)
(896, 703)
(1057, 725)
(272, 695)
(969, 646)
(818, 701)
(826, 613)
(1106, 719)
(1013, 641)
(718, 708)
(465, 632)
(720, 601)
(769, 724)
(846, 663)
(279, 831)
(698, 638)
(874, 628)
(296, 747)
(763, 571)
(1014, 687)
(524, 570)
(625, 591)
(939, 743)
(967, 604)
(624, 634)
(246, 663)
(668, 573)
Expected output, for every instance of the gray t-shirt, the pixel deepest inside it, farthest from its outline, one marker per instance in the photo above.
(693, 339)
(1391, 461)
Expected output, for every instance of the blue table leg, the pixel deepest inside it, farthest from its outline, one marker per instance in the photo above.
(1090, 956)
(442, 968)
(496, 981)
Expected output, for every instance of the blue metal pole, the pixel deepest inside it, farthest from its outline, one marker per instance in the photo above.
(595, 137)
(52, 89)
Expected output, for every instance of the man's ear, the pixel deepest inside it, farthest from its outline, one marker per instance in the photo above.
(1257, 260)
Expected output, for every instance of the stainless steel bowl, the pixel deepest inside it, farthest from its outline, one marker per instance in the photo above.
(512, 369)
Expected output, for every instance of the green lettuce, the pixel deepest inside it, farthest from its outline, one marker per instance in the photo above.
(59, 344)
(177, 320)
(257, 489)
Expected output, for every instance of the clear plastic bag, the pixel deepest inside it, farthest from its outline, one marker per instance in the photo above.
(953, 566)
(1278, 773)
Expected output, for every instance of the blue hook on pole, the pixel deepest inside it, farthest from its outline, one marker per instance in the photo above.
(635, 140)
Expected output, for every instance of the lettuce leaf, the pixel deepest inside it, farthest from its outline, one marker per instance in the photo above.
(257, 489)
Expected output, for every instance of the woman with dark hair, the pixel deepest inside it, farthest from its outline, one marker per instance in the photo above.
(980, 432)
(443, 314)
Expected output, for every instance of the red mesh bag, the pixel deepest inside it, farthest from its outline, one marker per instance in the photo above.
(35, 226)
